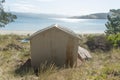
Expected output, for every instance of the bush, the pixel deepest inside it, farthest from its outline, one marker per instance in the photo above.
(98, 42)
(14, 46)
(114, 39)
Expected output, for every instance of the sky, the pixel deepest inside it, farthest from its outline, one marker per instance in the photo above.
(62, 7)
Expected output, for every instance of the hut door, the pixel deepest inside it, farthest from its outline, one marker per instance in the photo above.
(69, 52)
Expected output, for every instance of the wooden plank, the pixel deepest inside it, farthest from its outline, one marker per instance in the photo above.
(83, 53)
(69, 52)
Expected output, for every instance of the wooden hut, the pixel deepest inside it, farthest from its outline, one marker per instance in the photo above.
(54, 44)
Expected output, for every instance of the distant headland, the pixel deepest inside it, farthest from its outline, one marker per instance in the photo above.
(91, 16)
(43, 15)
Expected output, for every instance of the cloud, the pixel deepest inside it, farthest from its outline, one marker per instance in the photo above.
(44, 0)
(67, 7)
(34, 1)
(24, 7)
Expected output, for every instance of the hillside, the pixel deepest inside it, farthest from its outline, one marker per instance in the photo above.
(14, 64)
(92, 16)
(35, 15)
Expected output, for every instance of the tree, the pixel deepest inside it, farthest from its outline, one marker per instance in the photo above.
(5, 17)
(113, 23)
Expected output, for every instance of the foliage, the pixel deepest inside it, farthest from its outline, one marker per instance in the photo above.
(114, 39)
(12, 65)
(98, 42)
(113, 23)
(5, 17)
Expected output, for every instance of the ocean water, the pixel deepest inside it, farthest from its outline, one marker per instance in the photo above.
(77, 25)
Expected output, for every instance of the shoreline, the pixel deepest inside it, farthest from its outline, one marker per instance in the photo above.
(16, 32)
(22, 32)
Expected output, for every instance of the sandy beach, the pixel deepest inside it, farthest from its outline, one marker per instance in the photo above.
(4, 32)
(18, 32)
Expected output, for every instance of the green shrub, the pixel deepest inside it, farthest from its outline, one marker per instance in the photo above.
(114, 39)
(98, 42)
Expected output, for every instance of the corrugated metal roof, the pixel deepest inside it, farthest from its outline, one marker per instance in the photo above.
(55, 26)
(83, 53)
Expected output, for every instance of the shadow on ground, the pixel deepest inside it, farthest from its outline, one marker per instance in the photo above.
(24, 69)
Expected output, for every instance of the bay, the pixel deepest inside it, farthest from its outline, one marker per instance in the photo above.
(77, 25)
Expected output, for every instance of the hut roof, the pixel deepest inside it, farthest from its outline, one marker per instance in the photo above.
(83, 53)
(66, 30)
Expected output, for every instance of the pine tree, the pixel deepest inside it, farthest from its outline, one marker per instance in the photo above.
(113, 23)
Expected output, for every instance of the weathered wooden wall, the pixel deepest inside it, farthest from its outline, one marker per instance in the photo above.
(54, 45)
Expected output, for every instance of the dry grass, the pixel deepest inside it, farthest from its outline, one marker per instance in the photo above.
(103, 66)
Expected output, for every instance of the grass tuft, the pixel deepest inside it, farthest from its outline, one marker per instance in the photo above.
(15, 64)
